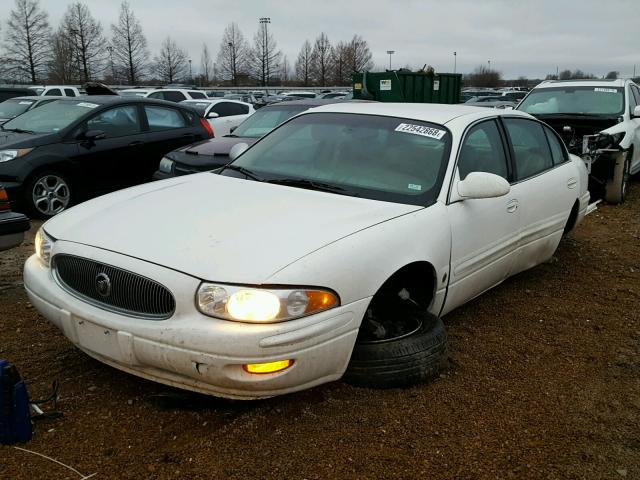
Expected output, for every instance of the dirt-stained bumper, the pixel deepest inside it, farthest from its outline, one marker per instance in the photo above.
(190, 350)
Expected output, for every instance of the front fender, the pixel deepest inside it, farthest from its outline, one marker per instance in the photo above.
(356, 266)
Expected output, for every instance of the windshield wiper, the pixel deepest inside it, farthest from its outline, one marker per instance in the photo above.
(230, 135)
(17, 130)
(311, 185)
(243, 171)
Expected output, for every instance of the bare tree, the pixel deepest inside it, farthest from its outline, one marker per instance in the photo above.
(303, 63)
(206, 65)
(359, 55)
(483, 76)
(171, 62)
(27, 47)
(234, 54)
(62, 66)
(321, 59)
(87, 39)
(129, 44)
(612, 75)
(340, 61)
(265, 58)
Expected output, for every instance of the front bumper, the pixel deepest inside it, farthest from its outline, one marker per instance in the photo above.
(190, 350)
(12, 228)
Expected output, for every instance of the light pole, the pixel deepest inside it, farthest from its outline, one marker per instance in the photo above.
(390, 52)
(264, 22)
(455, 60)
(190, 74)
(489, 62)
(113, 68)
(233, 63)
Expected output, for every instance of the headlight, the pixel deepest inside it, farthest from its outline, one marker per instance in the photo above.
(259, 305)
(6, 155)
(166, 165)
(43, 244)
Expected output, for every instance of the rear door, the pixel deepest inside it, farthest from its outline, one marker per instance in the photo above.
(485, 232)
(546, 186)
(167, 128)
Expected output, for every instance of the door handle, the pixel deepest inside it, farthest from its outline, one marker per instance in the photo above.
(571, 183)
(512, 206)
(137, 143)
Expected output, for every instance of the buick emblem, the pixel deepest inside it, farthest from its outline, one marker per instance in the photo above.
(103, 285)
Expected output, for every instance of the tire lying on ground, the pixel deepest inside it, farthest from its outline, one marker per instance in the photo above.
(403, 360)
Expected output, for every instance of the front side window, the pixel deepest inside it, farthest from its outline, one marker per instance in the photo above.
(574, 100)
(530, 147)
(163, 118)
(53, 92)
(558, 151)
(383, 158)
(116, 122)
(174, 96)
(195, 94)
(482, 151)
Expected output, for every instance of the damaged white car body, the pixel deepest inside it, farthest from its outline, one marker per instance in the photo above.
(599, 120)
(264, 278)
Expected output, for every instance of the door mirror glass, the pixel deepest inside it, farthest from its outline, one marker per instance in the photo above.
(483, 185)
(636, 112)
(212, 115)
(237, 150)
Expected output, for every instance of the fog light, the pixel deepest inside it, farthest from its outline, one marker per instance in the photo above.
(269, 367)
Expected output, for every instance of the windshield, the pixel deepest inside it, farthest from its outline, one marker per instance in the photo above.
(13, 108)
(138, 93)
(50, 118)
(574, 100)
(382, 158)
(265, 120)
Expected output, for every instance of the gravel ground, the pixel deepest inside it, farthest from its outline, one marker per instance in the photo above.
(543, 383)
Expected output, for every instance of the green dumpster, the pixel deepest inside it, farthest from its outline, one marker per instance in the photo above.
(408, 87)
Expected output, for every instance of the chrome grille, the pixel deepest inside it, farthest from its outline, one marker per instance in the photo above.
(113, 288)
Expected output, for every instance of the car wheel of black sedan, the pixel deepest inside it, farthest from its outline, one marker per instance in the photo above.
(48, 193)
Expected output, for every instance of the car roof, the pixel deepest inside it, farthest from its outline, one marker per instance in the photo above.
(309, 102)
(427, 112)
(618, 82)
(39, 97)
(116, 99)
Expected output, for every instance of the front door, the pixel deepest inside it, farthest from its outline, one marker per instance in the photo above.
(485, 232)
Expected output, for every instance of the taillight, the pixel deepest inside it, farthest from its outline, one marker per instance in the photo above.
(207, 127)
(4, 200)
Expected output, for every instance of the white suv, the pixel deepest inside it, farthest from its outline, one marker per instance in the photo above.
(56, 91)
(599, 120)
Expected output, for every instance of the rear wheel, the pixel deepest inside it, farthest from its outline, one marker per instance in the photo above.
(616, 188)
(48, 193)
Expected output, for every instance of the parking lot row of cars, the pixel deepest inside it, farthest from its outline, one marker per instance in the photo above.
(319, 238)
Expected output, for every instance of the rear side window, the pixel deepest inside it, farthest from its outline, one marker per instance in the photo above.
(69, 92)
(162, 118)
(226, 109)
(558, 152)
(174, 96)
(482, 151)
(197, 94)
(53, 92)
(531, 150)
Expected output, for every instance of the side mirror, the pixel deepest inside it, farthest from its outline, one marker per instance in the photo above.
(636, 112)
(483, 185)
(93, 135)
(213, 115)
(237, 150)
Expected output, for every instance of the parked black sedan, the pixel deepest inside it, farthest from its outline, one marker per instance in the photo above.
(72, 149)
(214, 153)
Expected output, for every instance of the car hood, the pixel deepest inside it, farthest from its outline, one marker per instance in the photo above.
(200, 153)
(22, 140)
(219, 228)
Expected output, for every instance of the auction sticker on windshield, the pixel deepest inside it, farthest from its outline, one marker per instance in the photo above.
(605, 90)
(421, 130)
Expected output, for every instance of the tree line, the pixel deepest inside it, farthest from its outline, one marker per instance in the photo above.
(79, 50)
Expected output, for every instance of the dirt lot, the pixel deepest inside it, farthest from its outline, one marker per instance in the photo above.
(544, 383)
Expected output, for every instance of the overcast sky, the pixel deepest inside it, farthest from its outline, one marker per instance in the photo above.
(519, 37)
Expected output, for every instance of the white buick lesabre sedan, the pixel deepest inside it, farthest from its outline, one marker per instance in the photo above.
(332, 245)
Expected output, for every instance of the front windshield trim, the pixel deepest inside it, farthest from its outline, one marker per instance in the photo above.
(429, 197)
